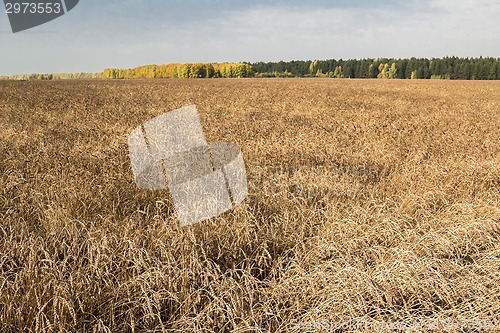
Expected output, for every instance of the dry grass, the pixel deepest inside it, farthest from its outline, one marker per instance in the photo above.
(376, 200)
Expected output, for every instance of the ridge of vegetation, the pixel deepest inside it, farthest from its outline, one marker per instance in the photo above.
(453, 68)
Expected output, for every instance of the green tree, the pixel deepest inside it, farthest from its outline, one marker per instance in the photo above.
(492, 74)
(373, 70)
(410, 68)
(401, 67)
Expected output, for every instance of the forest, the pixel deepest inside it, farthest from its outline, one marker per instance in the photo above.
(451, 68)
(194, 70)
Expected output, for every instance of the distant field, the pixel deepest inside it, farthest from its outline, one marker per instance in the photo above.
(370, 200)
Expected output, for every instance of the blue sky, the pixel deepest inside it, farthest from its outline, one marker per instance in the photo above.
(128, 33)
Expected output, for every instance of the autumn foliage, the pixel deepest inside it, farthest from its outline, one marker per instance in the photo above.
(189, 70)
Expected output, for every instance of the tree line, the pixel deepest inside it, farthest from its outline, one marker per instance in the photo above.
(452, 68)
(190, 70)
(55, 76)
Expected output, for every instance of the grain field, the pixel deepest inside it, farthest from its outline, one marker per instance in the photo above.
(370, 201)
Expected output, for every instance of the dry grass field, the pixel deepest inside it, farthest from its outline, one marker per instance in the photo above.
(370, 200)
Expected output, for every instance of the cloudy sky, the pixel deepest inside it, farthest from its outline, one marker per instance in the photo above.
(128, 33)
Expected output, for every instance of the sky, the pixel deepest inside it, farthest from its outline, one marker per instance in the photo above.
(128, 33)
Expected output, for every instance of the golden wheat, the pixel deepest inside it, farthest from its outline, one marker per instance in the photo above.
(369, 200)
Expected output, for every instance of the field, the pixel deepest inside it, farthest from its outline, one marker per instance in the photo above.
(369, 200)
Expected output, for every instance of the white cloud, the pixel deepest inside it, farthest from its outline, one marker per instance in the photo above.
(441, 27)
(420, 28)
